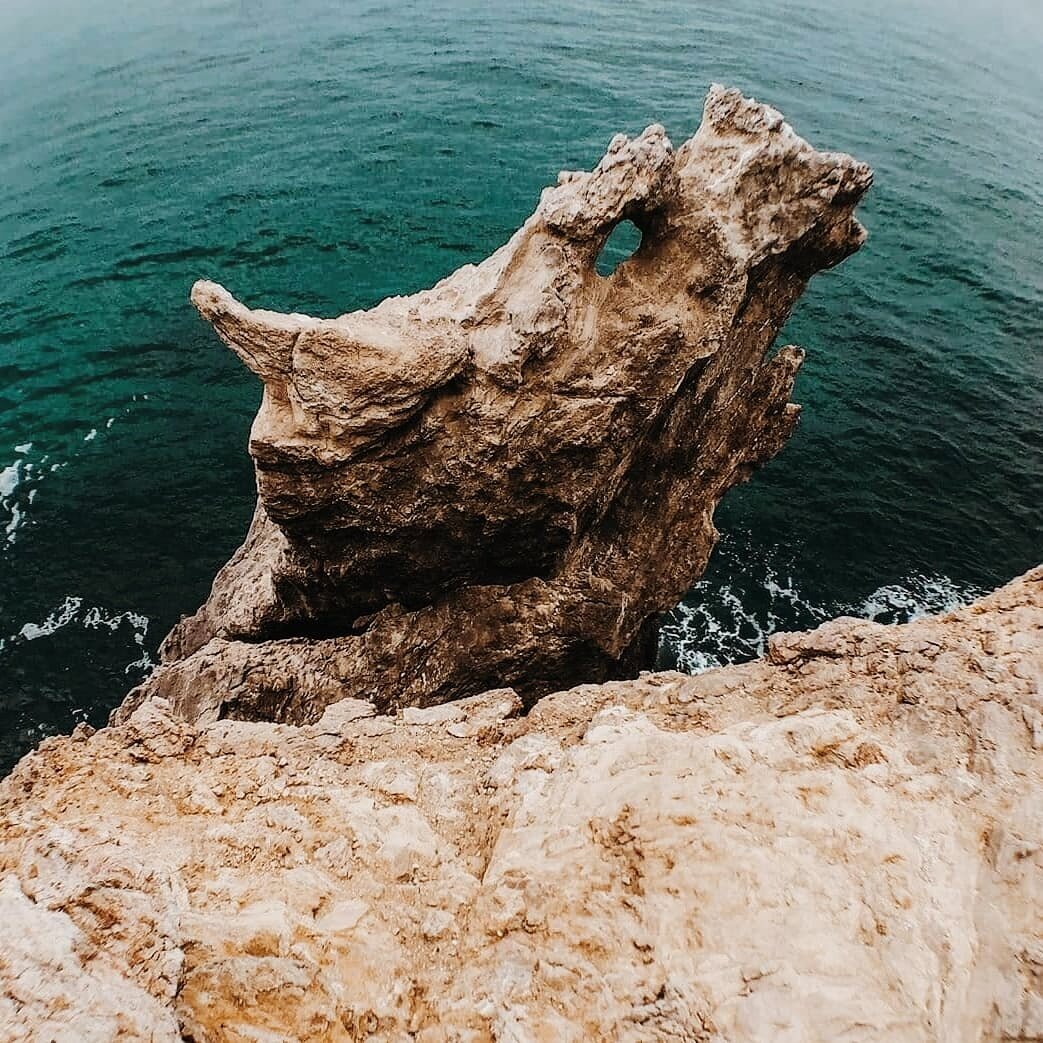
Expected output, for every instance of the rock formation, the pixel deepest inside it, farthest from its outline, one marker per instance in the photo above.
(842, 841)
(505, 479)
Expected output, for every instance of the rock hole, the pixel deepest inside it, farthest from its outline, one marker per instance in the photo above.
(623, 241)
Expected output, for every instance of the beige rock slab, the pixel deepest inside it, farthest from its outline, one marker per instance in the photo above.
(843, 841)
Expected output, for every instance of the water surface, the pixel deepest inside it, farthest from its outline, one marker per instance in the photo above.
(319, 156)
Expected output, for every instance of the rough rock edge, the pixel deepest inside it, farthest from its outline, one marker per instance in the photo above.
(506, 478)
(841, 841)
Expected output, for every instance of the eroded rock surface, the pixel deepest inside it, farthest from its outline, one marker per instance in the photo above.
(506, 478)
(842, 841)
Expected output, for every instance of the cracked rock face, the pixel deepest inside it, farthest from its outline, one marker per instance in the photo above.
(506, 478)
(843, 841)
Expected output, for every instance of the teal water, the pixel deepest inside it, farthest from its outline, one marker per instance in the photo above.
(319, 156)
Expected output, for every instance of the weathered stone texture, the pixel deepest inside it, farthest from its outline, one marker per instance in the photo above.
(842, 841)
(506, 478)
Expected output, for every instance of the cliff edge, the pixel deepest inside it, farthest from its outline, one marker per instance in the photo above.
(843, 840)
(345, 806)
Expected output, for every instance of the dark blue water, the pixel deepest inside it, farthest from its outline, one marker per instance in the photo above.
(319, 156)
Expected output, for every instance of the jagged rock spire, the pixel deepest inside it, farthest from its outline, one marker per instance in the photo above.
(504, 479)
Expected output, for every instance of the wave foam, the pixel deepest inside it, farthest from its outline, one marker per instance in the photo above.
(20, 481)
(730, 621)
(71, 611)
(915, 597)
(13, 478)
(59, 618)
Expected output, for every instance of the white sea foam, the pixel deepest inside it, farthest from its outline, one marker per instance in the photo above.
(11, 477)
(13, 523)
(915, 597)
(718, 624)
(17, 490)
(19, 483)
(94, 618)
(60, 617)
(144, 664)
(72, 612)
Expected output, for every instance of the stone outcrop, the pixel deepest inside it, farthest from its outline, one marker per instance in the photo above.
(842, 841)
(505, 479)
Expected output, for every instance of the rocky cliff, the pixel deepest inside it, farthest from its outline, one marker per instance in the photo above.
(843, 841)
(505, 479)
(341, 810)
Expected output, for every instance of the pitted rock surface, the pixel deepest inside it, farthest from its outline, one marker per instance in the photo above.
(843, 840)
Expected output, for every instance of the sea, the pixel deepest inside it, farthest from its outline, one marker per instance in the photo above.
(318, 156)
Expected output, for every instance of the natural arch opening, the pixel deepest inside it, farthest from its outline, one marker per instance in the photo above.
(623, 241)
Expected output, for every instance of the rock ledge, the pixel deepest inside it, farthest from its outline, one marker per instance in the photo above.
(841, 841)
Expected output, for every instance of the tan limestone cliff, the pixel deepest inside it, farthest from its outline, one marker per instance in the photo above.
(506, 478)
(843, 841)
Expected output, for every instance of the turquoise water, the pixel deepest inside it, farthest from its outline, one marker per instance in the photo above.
(319, 156)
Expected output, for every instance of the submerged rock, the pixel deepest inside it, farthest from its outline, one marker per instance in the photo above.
(505, 479)
(841, 841)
